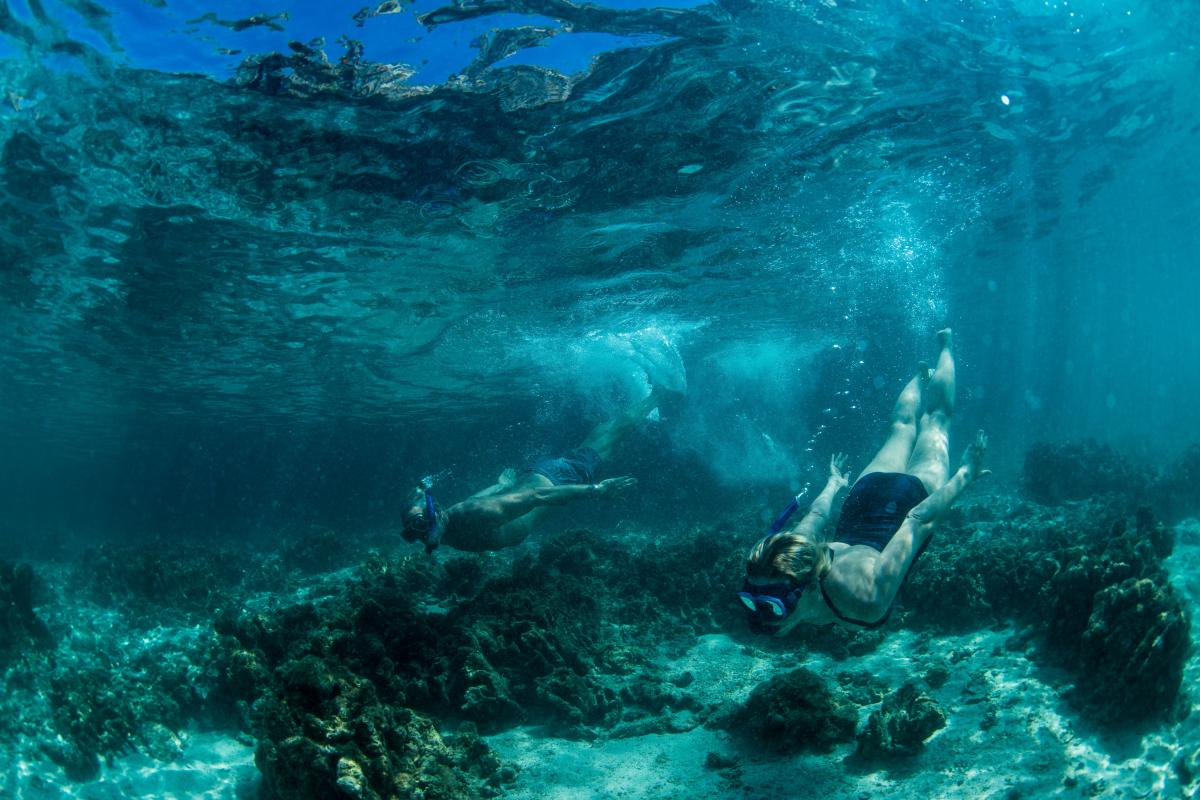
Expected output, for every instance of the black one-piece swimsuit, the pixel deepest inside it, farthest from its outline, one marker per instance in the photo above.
(871, 515)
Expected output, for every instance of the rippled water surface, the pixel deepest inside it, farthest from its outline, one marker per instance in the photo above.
(411, 231)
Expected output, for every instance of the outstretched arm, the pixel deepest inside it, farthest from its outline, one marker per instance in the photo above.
(502, 508)
(930, 510)
(815, 520)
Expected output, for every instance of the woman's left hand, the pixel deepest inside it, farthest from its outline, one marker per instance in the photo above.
(973, 458)
(838, 474)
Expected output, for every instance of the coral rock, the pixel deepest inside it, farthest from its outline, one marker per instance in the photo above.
(1133, 651)
(905, 719)
(20, 627)
(795, 711)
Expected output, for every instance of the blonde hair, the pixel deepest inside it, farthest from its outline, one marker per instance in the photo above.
(791, 555)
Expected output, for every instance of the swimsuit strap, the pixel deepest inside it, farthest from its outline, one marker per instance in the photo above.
(861, 623)
(829, 604)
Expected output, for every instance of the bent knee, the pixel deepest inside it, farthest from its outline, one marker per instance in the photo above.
(936, 420)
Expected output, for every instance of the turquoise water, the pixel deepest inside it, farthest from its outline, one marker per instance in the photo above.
(200, 251)
(259, 272)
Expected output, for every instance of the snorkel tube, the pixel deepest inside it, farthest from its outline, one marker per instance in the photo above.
(433, 535)
(782, 519)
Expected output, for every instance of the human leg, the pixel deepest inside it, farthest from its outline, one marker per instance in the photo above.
(604, 437)
(503, 483)
(893, 456)
(930, 459)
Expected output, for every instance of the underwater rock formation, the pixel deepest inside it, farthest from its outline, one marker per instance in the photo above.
(81, 689)
(1080, 470)
(20, 628)
(325, 690)
(537, 640)
(900, 726)
(104, 704)
(1133, 651)
(793, 712)
(531, 644)
(558, 639)
(329, 735)
(1089, 584)
(315, 548)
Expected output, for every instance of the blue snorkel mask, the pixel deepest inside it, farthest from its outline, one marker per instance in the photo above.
(771, 603)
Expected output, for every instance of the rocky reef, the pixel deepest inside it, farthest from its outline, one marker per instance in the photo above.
(150, 581)
(378, 680)
(557, 639)
(1175, 494)
(21, 630)
(1086, 470)
(1087, 583)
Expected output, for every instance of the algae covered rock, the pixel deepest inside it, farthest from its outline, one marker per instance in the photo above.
(950, 590)
(900, 726)
(100, 709)
(1111, 615)
(795, 711)
(144, 580)
(314, 548)
(330, 736)
(20, 628)
(1089, 583)
(1133, 652)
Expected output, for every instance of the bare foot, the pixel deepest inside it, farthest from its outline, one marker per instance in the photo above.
(945, 338)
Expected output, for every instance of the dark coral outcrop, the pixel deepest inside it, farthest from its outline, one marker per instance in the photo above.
(326, 733)
(326, 689)
(558, 638)
(103, 705)
(796, 711)
(901, 724)
(1132, 653)
(1176, 492)
(146, 580)
(21, 629)
(1088, 582)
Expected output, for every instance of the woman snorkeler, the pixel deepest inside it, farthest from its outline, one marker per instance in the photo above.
(887, 519)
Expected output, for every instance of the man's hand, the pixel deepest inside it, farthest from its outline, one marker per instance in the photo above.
(973, 458)
(613, 486)
(838, 474)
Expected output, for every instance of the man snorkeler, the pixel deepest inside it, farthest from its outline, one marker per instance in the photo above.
(504, 514)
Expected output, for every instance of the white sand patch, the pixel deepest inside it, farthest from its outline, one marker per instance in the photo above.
(1009, 734)
(213, 767)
